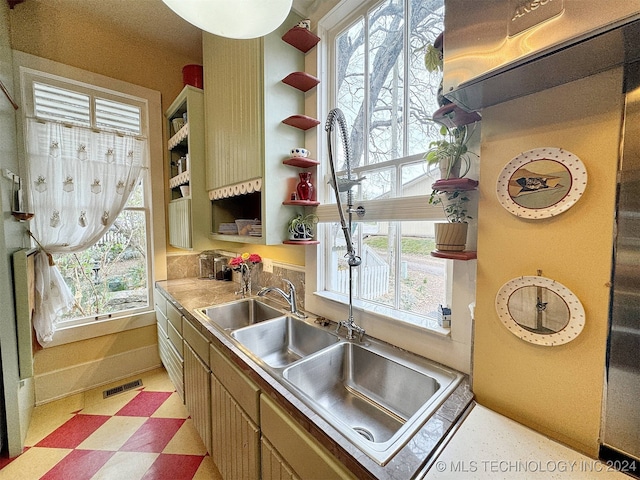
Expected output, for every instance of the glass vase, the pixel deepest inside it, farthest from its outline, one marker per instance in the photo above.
(304, 188)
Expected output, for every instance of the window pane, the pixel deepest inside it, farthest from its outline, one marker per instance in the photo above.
(117, 116)
(397, 277)
(350, 63)
(111, 276)
(417, 179)
(421, 276)
(58, 104)
(386, 81)
(378, 263)
(337, 266)
(425, 26)
(379, 184)
(137, 196)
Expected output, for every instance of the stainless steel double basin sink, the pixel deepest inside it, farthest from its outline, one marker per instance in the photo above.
(374, 394)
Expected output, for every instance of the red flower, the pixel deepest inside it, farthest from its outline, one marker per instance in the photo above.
(245, 258)
(234, 262)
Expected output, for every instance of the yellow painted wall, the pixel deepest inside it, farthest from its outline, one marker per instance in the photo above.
(555, 390)
(59, 358)
(51, 31)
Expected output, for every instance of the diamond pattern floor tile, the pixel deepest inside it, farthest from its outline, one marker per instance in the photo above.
(79, 465)
(153, 435)
(175, 467)
(113, 434)
(142, 434)
(74, 431)
(126, 466)
(144, 404)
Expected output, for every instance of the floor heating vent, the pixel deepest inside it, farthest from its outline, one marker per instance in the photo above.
(121, 388)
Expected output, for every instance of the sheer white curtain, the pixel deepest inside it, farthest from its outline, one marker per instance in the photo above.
(80, 179)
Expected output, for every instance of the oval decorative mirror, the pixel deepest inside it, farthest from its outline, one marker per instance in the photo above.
(540, 310)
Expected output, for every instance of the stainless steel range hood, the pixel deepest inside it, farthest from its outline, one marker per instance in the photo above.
(497, 50)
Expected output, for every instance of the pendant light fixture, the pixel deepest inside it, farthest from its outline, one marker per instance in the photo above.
(233, 18)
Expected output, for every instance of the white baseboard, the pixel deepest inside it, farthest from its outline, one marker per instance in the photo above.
(86, 376)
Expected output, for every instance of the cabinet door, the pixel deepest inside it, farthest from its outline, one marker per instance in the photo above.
(180, 223)
(273, 465)
(235, 438)
(298, 448)
(234, 110)
(197, 394)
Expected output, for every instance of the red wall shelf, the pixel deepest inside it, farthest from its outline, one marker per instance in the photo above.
(301, 80)
(453, 184)
(301, 162)
(302, 122)
(301, 242)
(466, 255)
(301, 38)
(301, 203)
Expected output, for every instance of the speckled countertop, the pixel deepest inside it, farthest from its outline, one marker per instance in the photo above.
(488, 445)
(192, 293)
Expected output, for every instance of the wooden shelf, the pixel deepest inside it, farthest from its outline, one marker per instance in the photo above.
(301, 203)
(453, 116)
(453, 184)
(301, 162)
(302, 122)
(301, 242)
(466, 255)
(301, 38)
(301, 80)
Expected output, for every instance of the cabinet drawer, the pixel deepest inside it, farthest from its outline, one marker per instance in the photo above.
(175, 317)
(242, 389)
(160, 302)
(196, 340)
(176, 340)
(297, 447)
(162, 323)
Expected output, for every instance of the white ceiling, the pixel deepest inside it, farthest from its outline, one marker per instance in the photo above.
(151, 20)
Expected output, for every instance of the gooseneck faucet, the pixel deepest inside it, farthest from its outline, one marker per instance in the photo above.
(344, 185)
(289, 297)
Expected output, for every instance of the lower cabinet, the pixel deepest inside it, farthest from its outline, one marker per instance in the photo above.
(197, 394)
(173, 349)
(236, 438)
(293, 448)
(273, 465)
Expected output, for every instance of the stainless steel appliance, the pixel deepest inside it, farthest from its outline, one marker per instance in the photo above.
(621, 432)
(496, 50)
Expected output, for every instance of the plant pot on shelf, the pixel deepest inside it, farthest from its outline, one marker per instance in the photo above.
(301, 227)
(451, 237)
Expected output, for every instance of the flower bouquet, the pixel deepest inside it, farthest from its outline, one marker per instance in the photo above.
(243, 264)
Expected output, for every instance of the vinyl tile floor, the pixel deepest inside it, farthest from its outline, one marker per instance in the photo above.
(144, 433)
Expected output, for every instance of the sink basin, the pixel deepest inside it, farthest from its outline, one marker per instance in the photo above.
(238, 314)
(376, 401)
(282, 341)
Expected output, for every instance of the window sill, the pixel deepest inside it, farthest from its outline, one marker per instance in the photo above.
(428, 323)
(110, 326)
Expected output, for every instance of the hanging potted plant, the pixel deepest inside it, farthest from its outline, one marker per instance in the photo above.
(301, 226)
(451, 153)
(452, 235)
(434, 62)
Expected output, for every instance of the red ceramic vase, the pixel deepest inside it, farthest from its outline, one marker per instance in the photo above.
(305, 187)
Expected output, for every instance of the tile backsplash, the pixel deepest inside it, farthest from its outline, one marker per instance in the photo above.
(188, 266)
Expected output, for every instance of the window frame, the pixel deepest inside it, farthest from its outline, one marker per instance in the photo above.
(453, 349)
(28, 68)
(396, 209)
